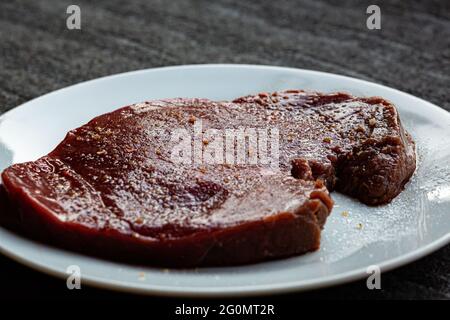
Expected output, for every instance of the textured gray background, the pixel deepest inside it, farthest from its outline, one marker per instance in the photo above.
(411, 53)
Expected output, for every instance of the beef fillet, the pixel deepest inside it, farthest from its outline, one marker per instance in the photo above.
(113, 187)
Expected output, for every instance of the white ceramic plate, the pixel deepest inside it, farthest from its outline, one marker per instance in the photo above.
(413, 225)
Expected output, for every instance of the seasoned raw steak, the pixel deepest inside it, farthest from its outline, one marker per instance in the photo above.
(356, 145)
(115, 187)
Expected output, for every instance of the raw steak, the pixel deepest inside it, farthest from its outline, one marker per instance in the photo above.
(113, 187)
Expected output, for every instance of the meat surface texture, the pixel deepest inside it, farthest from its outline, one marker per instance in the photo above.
(112, 188)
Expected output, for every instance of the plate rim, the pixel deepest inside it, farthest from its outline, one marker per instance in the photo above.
(216, 65)
(235, 291)
(226, 292)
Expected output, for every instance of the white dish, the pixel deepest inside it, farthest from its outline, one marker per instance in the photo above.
(413, 225)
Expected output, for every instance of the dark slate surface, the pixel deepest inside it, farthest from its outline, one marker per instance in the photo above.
(411, 52)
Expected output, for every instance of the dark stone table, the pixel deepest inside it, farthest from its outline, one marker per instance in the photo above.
(411, 52)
